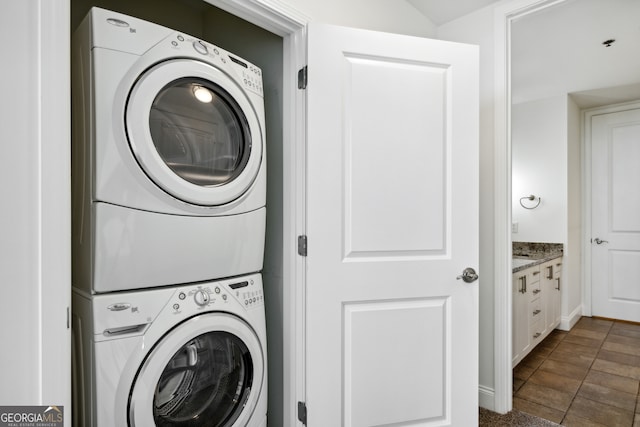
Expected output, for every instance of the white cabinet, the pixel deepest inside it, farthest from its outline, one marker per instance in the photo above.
(551, 284)
(527, 311)
(536, 306)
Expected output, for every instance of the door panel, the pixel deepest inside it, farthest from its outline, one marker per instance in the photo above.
(392, 219)
(615, 215)
(394, 367)
(382, 156)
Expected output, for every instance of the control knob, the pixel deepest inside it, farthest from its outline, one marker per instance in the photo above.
(200, 47)
(201, 297)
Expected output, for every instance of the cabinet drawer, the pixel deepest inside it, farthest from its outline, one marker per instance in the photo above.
(557, 267)
(533, 275)
(536, 330)
(534, 290)
(536, 310)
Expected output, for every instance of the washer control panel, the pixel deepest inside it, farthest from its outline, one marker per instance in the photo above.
(250, 75)
(246, 292)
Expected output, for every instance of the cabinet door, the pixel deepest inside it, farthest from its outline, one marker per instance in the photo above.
(520, 317)
(556, 292)
(550, 283)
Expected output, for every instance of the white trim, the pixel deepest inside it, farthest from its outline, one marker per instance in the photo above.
(272, 15)
(486, 398)
(568, 322)
(503, 16)
(587, 116)
(280, 19)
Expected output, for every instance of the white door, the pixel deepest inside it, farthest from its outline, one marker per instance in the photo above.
(392, 219)
(615, 211)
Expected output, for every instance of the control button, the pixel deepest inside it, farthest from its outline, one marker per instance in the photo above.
(181, 38)
(174, 43)
(224, 297)
(217, 290)
(201, 297)
(176, 306)
(200, 47)
(182, 295)
(216, 51)
(246, 302)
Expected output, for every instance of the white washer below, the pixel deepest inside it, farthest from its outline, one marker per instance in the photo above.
(191, 355)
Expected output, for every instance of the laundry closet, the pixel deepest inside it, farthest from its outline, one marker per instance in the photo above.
(264, 49)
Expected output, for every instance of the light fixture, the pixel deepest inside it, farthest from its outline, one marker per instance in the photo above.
(609, 42)
(202, 94)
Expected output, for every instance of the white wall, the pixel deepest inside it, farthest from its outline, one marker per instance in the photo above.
(478, 28)
(572, 272)
(380, 15)
(35, 216)
(546, 162)
(539, 167)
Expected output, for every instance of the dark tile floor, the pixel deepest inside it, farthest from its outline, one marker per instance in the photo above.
(586, 377)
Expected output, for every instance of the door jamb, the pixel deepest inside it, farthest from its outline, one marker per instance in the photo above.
(290, 24)
(587, 116)
(504, 15)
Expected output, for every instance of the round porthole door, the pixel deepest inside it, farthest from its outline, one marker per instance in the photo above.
(194, 132)
(207, 371)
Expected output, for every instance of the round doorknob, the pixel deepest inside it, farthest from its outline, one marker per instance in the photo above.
(468, 275)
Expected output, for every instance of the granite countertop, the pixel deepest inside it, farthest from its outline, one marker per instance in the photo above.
(528, 254)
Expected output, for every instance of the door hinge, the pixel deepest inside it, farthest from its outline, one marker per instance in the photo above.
(302, 412)
(302, 245)
(302, 78)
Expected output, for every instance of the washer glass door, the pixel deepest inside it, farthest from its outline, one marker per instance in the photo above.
(206, 382)
(208, 371)
(194, 132)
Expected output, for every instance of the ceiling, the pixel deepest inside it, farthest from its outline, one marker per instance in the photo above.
(559, 49)
(442, 11)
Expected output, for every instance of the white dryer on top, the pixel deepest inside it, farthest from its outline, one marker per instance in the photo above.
(168, 162)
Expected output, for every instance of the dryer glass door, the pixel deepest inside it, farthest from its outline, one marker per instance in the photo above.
(196, 134)
(200, 132)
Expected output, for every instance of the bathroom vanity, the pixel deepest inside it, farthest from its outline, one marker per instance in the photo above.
(536, 285)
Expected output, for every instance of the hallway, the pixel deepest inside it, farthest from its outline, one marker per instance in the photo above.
(586, 377)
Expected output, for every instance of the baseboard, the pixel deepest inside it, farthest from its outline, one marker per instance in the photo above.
(487, 398)
(568, 322)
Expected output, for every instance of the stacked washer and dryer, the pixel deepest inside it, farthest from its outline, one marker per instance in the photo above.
(169, 195)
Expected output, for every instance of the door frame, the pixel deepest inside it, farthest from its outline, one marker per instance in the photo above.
(504, 16)
(587, 116)
(290, 24)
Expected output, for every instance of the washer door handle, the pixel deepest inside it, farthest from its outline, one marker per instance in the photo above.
(192, 352)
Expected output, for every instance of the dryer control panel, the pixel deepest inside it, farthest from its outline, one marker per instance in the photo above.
(247, 74)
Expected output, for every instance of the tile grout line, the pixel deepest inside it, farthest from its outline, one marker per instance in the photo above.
(588, 370)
